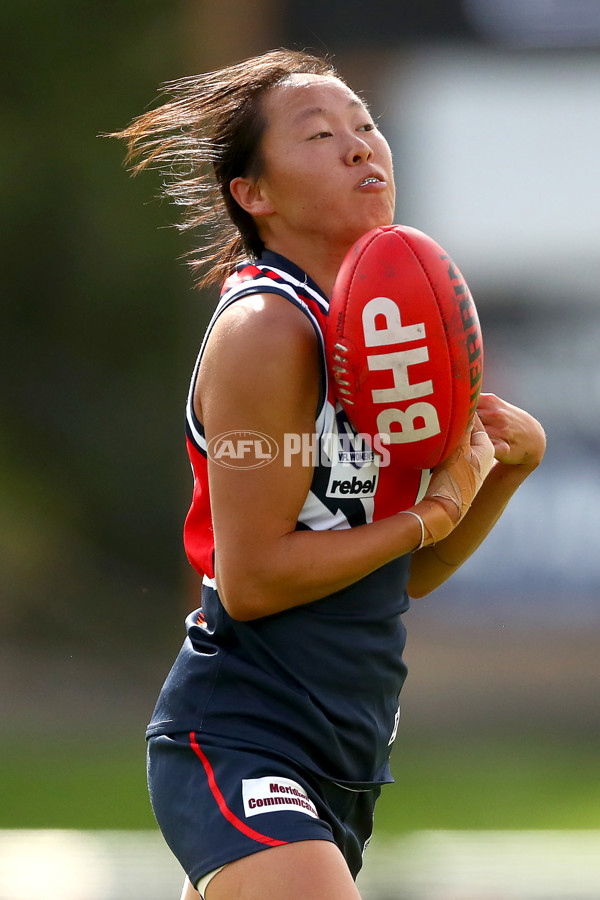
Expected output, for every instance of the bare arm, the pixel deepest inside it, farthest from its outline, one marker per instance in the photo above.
(260, 373)
(519, 445)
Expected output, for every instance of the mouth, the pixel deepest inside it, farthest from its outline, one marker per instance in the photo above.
(373, 183)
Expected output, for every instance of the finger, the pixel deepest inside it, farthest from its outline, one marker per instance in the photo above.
(477, 425)
(488, 407)
(488, 416)
(502, 451)
(480, 438)
(483, 452)
(486, 400)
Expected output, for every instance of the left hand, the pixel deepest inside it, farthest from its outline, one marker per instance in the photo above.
(518, 438)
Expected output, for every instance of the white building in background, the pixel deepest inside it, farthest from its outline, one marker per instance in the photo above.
(497, 157)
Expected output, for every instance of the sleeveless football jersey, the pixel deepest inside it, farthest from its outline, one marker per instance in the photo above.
(318, 683)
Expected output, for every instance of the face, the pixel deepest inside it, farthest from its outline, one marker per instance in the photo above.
(327, 170)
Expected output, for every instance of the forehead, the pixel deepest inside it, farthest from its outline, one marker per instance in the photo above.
(301, 96)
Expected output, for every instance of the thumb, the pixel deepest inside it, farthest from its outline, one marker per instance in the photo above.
(482, 452)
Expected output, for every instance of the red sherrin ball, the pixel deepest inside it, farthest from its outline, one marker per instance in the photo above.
(404, 346)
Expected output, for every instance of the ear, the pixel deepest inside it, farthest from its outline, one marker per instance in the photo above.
(250, 195)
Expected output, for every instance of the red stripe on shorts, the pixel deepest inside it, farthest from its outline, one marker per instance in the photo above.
(229, 815)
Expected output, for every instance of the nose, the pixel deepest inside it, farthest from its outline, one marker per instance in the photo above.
(358, 151)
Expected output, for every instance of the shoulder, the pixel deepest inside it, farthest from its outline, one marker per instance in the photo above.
(262, 324)
(261, 344)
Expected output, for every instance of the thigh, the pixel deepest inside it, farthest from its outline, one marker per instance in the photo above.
(189, 892)
(307, 870)
(215, 804)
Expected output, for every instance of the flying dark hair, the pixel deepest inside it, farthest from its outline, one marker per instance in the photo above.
(209, 133)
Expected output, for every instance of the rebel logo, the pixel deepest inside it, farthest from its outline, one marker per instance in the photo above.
(354, 486)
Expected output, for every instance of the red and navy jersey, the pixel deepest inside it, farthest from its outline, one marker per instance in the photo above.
(349, 486)
(318, 683)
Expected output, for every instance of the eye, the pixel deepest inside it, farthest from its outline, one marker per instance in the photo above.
(320, 134)
(369, 126)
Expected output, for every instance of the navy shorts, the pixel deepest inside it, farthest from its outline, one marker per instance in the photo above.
(215, 804)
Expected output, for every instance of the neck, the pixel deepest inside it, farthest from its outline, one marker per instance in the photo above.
(321, 263)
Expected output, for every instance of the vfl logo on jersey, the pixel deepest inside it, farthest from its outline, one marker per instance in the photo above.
(265, 795)
(354, 465)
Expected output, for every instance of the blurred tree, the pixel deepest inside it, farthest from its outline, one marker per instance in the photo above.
(218, 34)
(94, 308)
(100, 321)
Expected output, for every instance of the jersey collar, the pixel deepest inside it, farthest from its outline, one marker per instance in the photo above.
(275, 260)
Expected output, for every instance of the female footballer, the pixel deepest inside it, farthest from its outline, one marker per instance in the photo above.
(271, 737)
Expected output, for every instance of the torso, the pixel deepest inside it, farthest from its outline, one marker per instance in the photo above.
(318, 683)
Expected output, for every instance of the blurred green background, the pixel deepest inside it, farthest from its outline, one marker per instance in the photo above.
(100, 328)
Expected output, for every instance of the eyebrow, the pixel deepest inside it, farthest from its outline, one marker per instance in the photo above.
(321, 110)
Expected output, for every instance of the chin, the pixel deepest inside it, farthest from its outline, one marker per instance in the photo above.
(370, 224)
(379, 215)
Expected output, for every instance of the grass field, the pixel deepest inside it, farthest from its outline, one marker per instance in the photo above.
(483, 784)
(492, 785)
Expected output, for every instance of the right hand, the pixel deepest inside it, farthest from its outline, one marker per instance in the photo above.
(455, 482)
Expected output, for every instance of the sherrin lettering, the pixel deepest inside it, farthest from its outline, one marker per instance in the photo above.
(404, 347)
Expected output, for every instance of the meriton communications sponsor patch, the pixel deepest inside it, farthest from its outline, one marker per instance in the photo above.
(263, 795)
